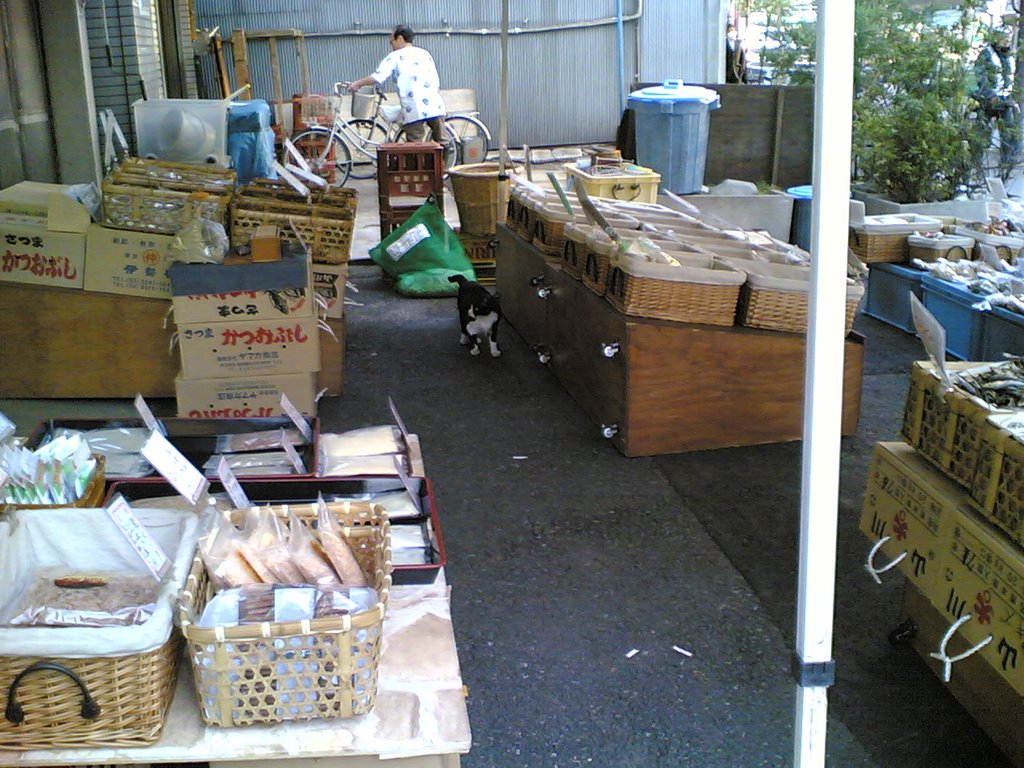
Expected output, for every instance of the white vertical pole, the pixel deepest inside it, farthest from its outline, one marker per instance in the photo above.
(503, 94)
(823, 381)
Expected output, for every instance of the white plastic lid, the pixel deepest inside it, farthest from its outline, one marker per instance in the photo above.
(941, 243)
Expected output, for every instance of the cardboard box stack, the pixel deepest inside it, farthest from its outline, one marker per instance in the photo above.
(248, 332)
(329, 286)
(947, 504)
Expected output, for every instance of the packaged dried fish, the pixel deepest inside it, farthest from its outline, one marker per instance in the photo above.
(261, 603)
(337, 549)
(368, 441)
(59, 598)
(308, 555)
(258, 441)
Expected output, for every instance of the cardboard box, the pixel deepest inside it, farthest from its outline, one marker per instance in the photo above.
(246, 397)
(127, 262)
(63, 211)
(913, 504)
(30, 253)
(329, 284)
(290, 271)
(983, 575)
(271, 306)
(247, 348)
(331, 378)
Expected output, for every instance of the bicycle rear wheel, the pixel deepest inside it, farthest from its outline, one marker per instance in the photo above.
(449, 151)
(328, 156)
(463, 129)
(371, 134)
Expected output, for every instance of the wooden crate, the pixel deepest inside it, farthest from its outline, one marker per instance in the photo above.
(59, 342)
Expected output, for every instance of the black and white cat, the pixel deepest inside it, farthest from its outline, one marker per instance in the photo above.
(479, 313)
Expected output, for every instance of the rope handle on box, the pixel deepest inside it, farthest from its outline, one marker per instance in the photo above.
(619, 187)
(869, 566)
(948, 661)
(16, 714)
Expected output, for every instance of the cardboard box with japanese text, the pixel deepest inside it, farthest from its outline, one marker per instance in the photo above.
(236, 348)
(329, 283)
(31, 253)
(127, 262)
(245, 397)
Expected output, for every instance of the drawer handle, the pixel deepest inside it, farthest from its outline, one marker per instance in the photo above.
(609, 431)
(869, 566)
(16, 714)
(543, 353)
(537, 280)
(543, 293)
(610, 350)
(949, 661)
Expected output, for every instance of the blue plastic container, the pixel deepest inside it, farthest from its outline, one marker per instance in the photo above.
(1002, 331)
(951, 306)
(251, 140)
(801, 229)
(672, 132)
(888, 295)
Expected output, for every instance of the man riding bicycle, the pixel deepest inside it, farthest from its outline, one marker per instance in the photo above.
(994, 71)
(418, 87)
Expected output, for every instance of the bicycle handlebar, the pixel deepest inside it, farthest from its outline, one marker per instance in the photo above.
(341, 88)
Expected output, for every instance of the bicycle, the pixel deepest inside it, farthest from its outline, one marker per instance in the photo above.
(329, 151)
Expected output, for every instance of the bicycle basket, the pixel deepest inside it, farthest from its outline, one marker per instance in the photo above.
(363, 105)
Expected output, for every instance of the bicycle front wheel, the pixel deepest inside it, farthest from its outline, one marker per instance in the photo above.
(370, 135)
(328, 157)
(468, 133)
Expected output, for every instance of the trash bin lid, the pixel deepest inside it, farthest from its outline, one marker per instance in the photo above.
(802, 192)
(674, 90)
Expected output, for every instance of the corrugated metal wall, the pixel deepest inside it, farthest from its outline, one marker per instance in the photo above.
(129, 29)
(563, 87)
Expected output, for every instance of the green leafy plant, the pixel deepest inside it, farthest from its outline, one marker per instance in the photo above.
(916, 132)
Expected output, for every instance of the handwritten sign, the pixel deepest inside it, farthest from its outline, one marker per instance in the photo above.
(293, 413)
(398, 420)
(232, 486)
(186, 479)
(147, 415)
(293, 455)
(137, 535)
(932, 334)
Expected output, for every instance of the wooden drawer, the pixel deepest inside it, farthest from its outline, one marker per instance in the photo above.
(522, 271)
(581, 329)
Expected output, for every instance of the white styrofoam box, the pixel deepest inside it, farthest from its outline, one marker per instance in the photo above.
(183, 130)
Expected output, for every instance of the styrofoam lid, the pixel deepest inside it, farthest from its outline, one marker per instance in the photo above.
(801, 192)
(674, 90)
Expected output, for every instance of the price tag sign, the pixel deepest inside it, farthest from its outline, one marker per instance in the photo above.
(293, 455)
(398, 420)
(231, 485)
(293, 413)
(141, 540)
(186, 479)
(932, 334)
(408, 483)
(4, 477)
(147, 415)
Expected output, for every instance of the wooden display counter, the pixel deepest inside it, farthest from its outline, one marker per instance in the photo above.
(982, 691)
(661, 387)
(61, 342)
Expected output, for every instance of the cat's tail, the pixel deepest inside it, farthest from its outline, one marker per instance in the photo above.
(460, 279)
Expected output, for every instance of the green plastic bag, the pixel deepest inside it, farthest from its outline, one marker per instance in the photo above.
(430, 283)
(423, 242)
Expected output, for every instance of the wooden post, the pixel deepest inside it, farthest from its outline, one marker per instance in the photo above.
(222, 68)
(780, 109)
(240, 54)
(300, 49)
(275, 71)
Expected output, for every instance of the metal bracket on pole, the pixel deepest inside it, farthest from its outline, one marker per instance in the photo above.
(814, 674)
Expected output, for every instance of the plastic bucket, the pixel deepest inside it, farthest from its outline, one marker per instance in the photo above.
(802, 199)
(481, 198)
(672, 122)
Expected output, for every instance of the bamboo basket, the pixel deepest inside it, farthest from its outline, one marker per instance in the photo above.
(323, 226)
(548, 234)
(704, 290)
(998, 485)
(776, 297)
(482, 198)
(597, 260)
(162, 211)
(248, 674)
(574, 249)
(342, 198)
(874, 248)
(950, 248)
(133, 693)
